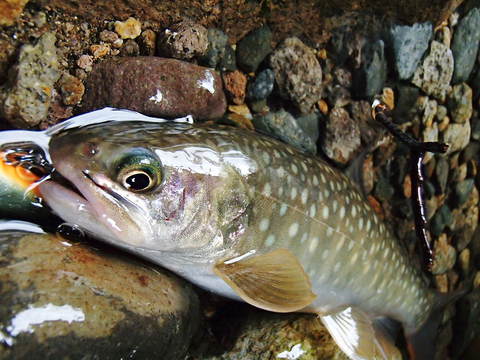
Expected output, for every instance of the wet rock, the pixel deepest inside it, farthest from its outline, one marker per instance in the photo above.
(462, 191)
(338, 96)
(443, 218)
(435, 73)
(162, 87)
(71, 89)
(445, 256)
(217, 42)
(99, 50)
(408, 44)
(148, 42)
(370, 78)
(457, 136)
(441, 172)
(63, 299)
(342, 77)
(298, 73)
(460, 103)
(228, 62)
(262, 85)
(253, 49)
(465, 45)
(284, 126)
(388, 97)
(29, 94)
(310, 125)
(235, 84)
(10, 11)
(341, 138)
(108, 36)
(130, 48)
(128, 29)
(184, 41)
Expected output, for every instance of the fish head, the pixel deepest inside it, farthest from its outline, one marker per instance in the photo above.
(151, 186)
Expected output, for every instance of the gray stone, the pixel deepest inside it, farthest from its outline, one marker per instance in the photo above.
(284, 126)
(29, 94)
(338, 96)
(442, 218)
(262, 85)
(228, 62)
(341, 139)
(94, 303)
(475, 129)
(409, 43)
(370, 78)
(253, 48)
(435, 73)
(298, 73)
(465, 45)
(460, 103)
(462, 191)
(217, 42)
(383, 189)
(457, 136)
(310, 125)
(430, 134)
(441, 172)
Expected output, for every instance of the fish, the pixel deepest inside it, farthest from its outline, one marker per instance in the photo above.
(249, 218)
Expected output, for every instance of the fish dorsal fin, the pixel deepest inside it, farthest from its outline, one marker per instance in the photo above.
(274, 281)
(358, 337)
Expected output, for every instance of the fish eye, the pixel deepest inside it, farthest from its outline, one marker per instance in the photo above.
(139, 171)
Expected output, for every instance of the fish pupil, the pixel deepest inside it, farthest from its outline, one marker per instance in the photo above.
(138, 181)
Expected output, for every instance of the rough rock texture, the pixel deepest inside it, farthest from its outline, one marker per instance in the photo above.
(128, 29)
(298, 73)
(155, 86)
(457, 136)
(235, 84)
(253, 48)
(10, 10)
(29, 94)
(184, 41)
(262, 85)
(465, 45)
(408, 44)
(370, 77)
(106, 305)
(460, 103)
(71, 89)
(436, 71)
(217, 42)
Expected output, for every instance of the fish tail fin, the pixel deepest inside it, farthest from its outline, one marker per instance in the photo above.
(421, 342)
(360, 337)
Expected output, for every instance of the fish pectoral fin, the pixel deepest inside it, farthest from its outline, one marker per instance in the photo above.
(274, 281)
(359, 337)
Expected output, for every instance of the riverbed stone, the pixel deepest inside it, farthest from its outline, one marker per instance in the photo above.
(465, 45)
(254, 48)
(184, 40)
(64, 299)
(262, 85)
(369, 79)
(162, 87)
(445, 256)
(460, 103)
(462, 191)
(433, 76)
(29, 93)
(408, 44)
(457, 136)
(217, 42)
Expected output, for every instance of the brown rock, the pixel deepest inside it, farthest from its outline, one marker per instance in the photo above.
(148, 40)
(184, 40)
(155, 86)
(235, 84)
(99, 50)
(10, 10)
(71, 88)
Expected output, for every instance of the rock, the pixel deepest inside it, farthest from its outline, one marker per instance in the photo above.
(406, 99)
(459, 173)
(99, 50)
(430, 134)
(262, 85)
(298, 73)
(228, 62)
(254, 48)
(370, 132)
(217, 42)
(388, 97)
(476, 129)
(85, 62)
(465, 45)
(29, 93)
(63, 299)
(108, 36)
(444, 35)
(341, 139)
(462, 191)
(128, 29)
(441, 172)
(441, 112)
(184, 41)
(445, 256)
(460, 103)
(408, 44)
(338, 96)
(342, 77)
(383, 189)
(162, 87)
(435, 73)
(10, 10)
(457, 136)
(148, 41)
(442, 218)
(369, 79)
(235, 84)
(464, 259)
(426, 110)
(310, 125)
(71, 89)
(368, 174)
(130, 48)
(284, 126)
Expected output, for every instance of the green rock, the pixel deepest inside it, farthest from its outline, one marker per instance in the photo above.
(253, 48)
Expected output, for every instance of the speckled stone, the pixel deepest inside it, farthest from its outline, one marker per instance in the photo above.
(445, 256)
(162, 87)
(457, 136)
(107, 305)
(184, 41)
(262, 85)
(217, 42)
(460, 103)
(369, 79)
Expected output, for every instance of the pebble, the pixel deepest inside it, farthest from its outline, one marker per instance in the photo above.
(465, 45)
(430, 134)
(459, 173)
(383, 190)
(406, 99)
(85, 62)
(284, 126)
(476, 129)
(426, 109)
(323, 106)
(184, 41)
(99, 50)
(128, 29)
(408, 44)
(457, 136)
(433, 76)
(29, 92)
(445, 256)
(443, 218)
(462, 191)
(254, 48)
(71, 89)
(441, 173)
(370, 78)
(444, 35)
(341, 139)
(108, 36)
(310, 125)
(162, 87)
(361, 113)
(130, 48)
(262, 85)
(298, 73)
(342, 77)
(217, 43)
(368, 174)
(460, 103)
(388, 97)
(94, 303)
(11, 11)
(148, 40)
(338, 96)
(241, 110)
(464, 259)
(235, 84)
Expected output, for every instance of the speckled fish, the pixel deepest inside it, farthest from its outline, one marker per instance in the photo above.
(247, 217)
